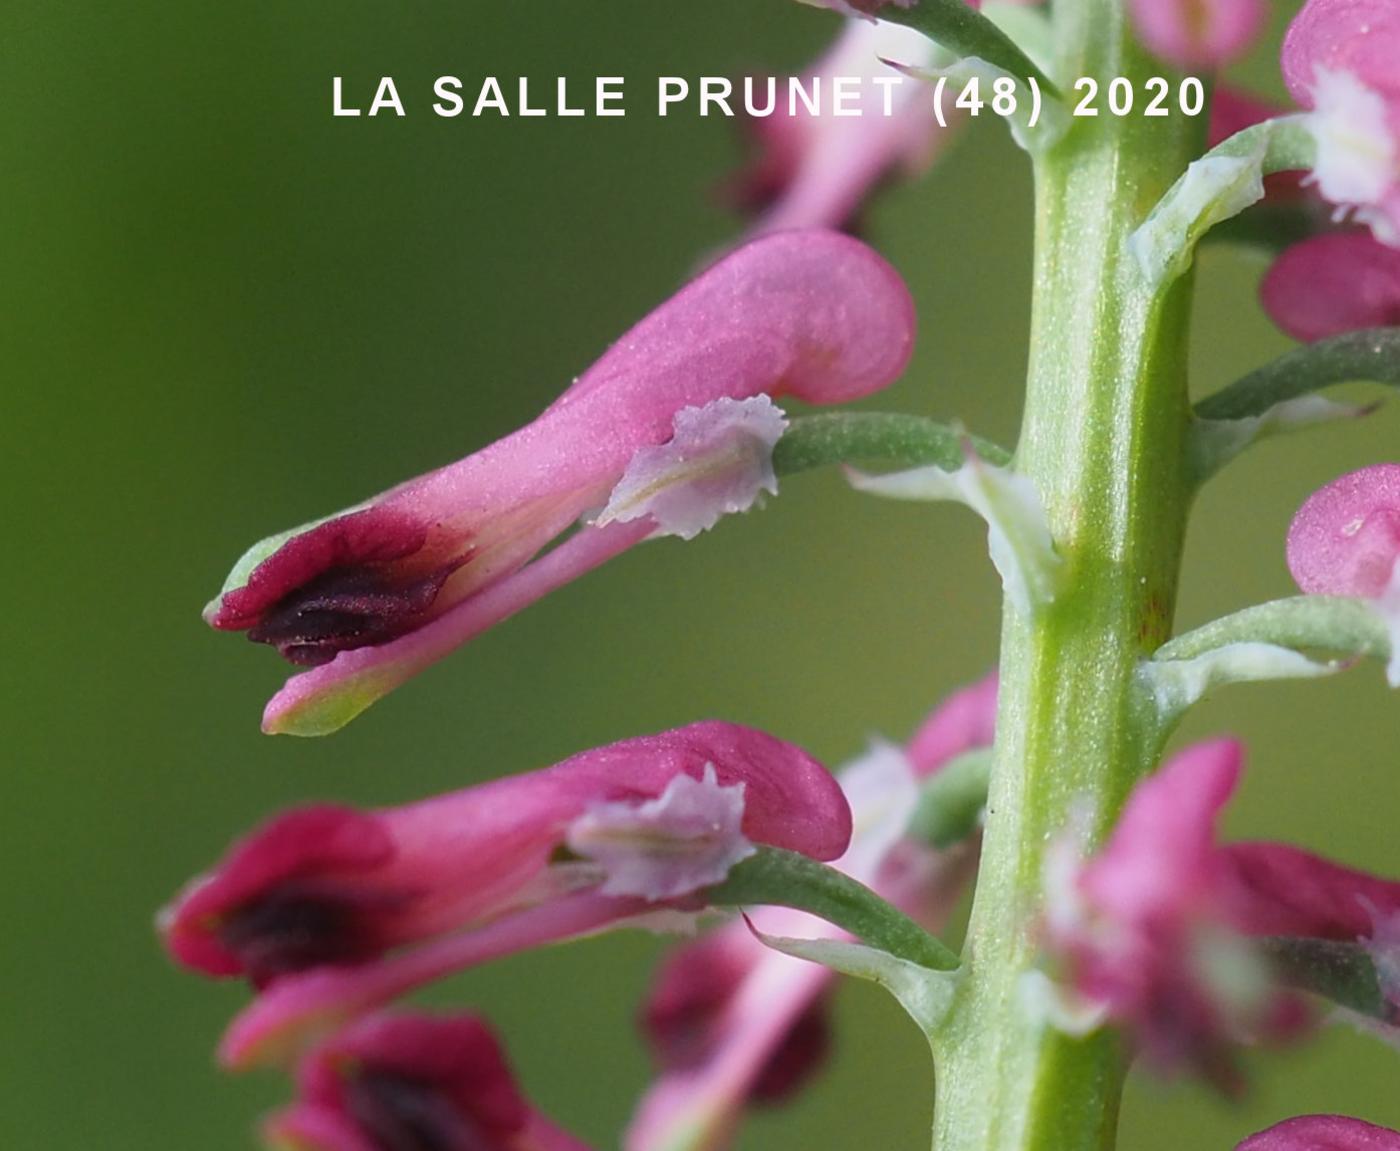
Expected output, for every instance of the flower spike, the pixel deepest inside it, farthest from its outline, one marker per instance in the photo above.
(371, 596)
(395, 1082)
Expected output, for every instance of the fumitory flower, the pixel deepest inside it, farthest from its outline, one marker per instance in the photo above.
(1339, 63)
(1155, 931)
(670, 430)
(1198, 33)
(401, 1082)
(731, 1022)
(1323, 1133)
(1345, 541)
(309, 905)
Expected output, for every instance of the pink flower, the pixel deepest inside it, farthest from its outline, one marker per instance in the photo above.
(817, 170)
(1345, 541)
(1334, 283)
(731, 1022)
(373, 595)
(606, 835)
(394, 1082)
(1154, 932)
(1141, 929)
(1198, 33)
(1323, 1133)
(1339, 62)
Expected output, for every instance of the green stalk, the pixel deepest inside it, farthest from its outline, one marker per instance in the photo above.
(1103, 437)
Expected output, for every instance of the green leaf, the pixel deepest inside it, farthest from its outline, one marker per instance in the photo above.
(1371, 356)
(1327, 624)
(952, 801)
(1174, 686)
(925, 994)
(786, 879)
(1220, 185)
(875, 437)
(1345, 973)
(960, 29)
(1265, 642)
(1214, 443)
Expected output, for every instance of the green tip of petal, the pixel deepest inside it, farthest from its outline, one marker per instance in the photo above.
(303, 707)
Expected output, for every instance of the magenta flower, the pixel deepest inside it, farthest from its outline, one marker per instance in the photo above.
(394, 1082)
(1323, 1133)
(671, 429)
(1339, 62)
(1334, 283)
(608, 834)
(731, 1022)
(1142, 930)
(817, 170)
(1155, 930)
(1345, 541)
(1198, 33)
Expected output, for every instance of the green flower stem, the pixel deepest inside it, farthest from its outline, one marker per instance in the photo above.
(1104, 440)
(788, 879)
(1371, 356)
(1328, 624)
(876, 437)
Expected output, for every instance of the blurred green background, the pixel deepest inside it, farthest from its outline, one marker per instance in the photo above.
(223, 311)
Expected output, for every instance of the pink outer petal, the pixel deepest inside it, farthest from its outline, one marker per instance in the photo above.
(965, 721)
(1199, 33)
(1345, 539)
(326, 698)
(1161, 855)
(1331, 284)
(1323, 1133)
(1277, 889)
(811, 314)
(300, 1009)
(1357, 36)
